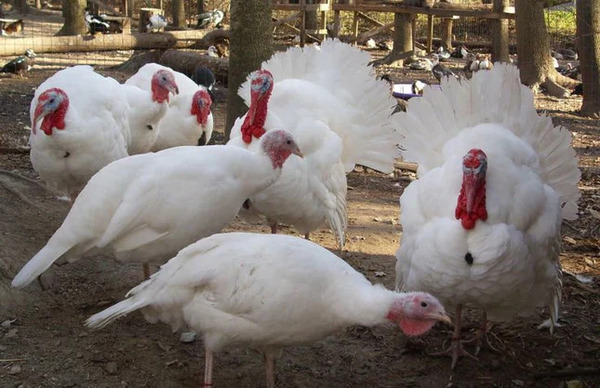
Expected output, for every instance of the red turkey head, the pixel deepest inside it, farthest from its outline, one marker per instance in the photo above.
(51, 107)
(261, 86)
(201, 103)
(163, 82)
(471, 200)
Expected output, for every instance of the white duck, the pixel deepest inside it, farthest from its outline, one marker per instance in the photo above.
(330, 100)
(77, 119)
(147, 207)
(147, 107)
(267, 292)
(156, 23)
(481, 224)
(188, 117)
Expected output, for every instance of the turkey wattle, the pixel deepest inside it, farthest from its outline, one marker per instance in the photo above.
(481, 224)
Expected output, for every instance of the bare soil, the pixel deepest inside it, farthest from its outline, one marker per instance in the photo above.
(43, 342)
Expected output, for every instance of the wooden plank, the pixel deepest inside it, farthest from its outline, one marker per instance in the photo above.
(286, 19)
(87, 43)
(300, 7)
(482, 12)
(368, 34)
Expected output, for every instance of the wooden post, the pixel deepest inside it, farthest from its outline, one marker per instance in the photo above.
(447, 33)
(303, 24)
(429, 33)
(500, 48)
(336, 23)
(355, 25)
(414, 33)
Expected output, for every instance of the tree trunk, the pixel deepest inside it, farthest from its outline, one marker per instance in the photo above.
(251, 44)
(533, 49)
(201, 7)
(178, 11)
(500, 34)
(74, 18)
(447, 33)
(588, 45)
(21, 6)
(403, 41)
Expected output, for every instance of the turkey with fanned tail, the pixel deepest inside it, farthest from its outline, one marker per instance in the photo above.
(481, 224)
(331, 101)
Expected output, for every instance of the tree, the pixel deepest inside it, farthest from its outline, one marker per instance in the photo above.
(251, 44)
(533, 49)
(403, 41)
(178, 11)
(500, 34)
(74, 11)
(588, 45)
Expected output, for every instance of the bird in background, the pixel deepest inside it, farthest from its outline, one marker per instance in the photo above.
(267, 292)
(481, 224)
(75, 130)
(204, 76)
(21, 64)
(156, 23)
(339, 112)
(187, 118)
(145, 208)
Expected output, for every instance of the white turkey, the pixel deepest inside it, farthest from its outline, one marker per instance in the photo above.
(147, 107)
(331, 101)
(481, 224)
(76, 130)
(267, 292)
(188, 117)
(145, 208)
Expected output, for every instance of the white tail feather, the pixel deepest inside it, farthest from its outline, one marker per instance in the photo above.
(124, 307)
(53, 250)
(494, 96)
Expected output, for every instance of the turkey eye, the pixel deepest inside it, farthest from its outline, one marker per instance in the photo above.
(423, 304)
(289, 142)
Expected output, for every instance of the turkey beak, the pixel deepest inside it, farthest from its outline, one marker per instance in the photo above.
(39, 114)
(296, 151)
(173, 88)
(441, 316)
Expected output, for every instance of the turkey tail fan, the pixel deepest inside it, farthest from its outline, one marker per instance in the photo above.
(344, 71)
(494, 96)
(54, 249)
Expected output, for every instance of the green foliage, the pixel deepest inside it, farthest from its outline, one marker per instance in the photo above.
(561, 22)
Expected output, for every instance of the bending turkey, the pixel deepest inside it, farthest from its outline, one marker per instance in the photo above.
(332, 103)
(481, 224)
(267, 292)
(145, 208)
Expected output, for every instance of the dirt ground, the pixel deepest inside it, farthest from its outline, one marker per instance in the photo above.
(43, 342)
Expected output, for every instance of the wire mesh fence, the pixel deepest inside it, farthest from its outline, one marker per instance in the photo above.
(47, 21)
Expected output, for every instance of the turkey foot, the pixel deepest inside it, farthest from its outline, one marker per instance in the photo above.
(481, 338)
(456, 349)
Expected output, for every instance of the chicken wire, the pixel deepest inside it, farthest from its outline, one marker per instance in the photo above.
(48, 21)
